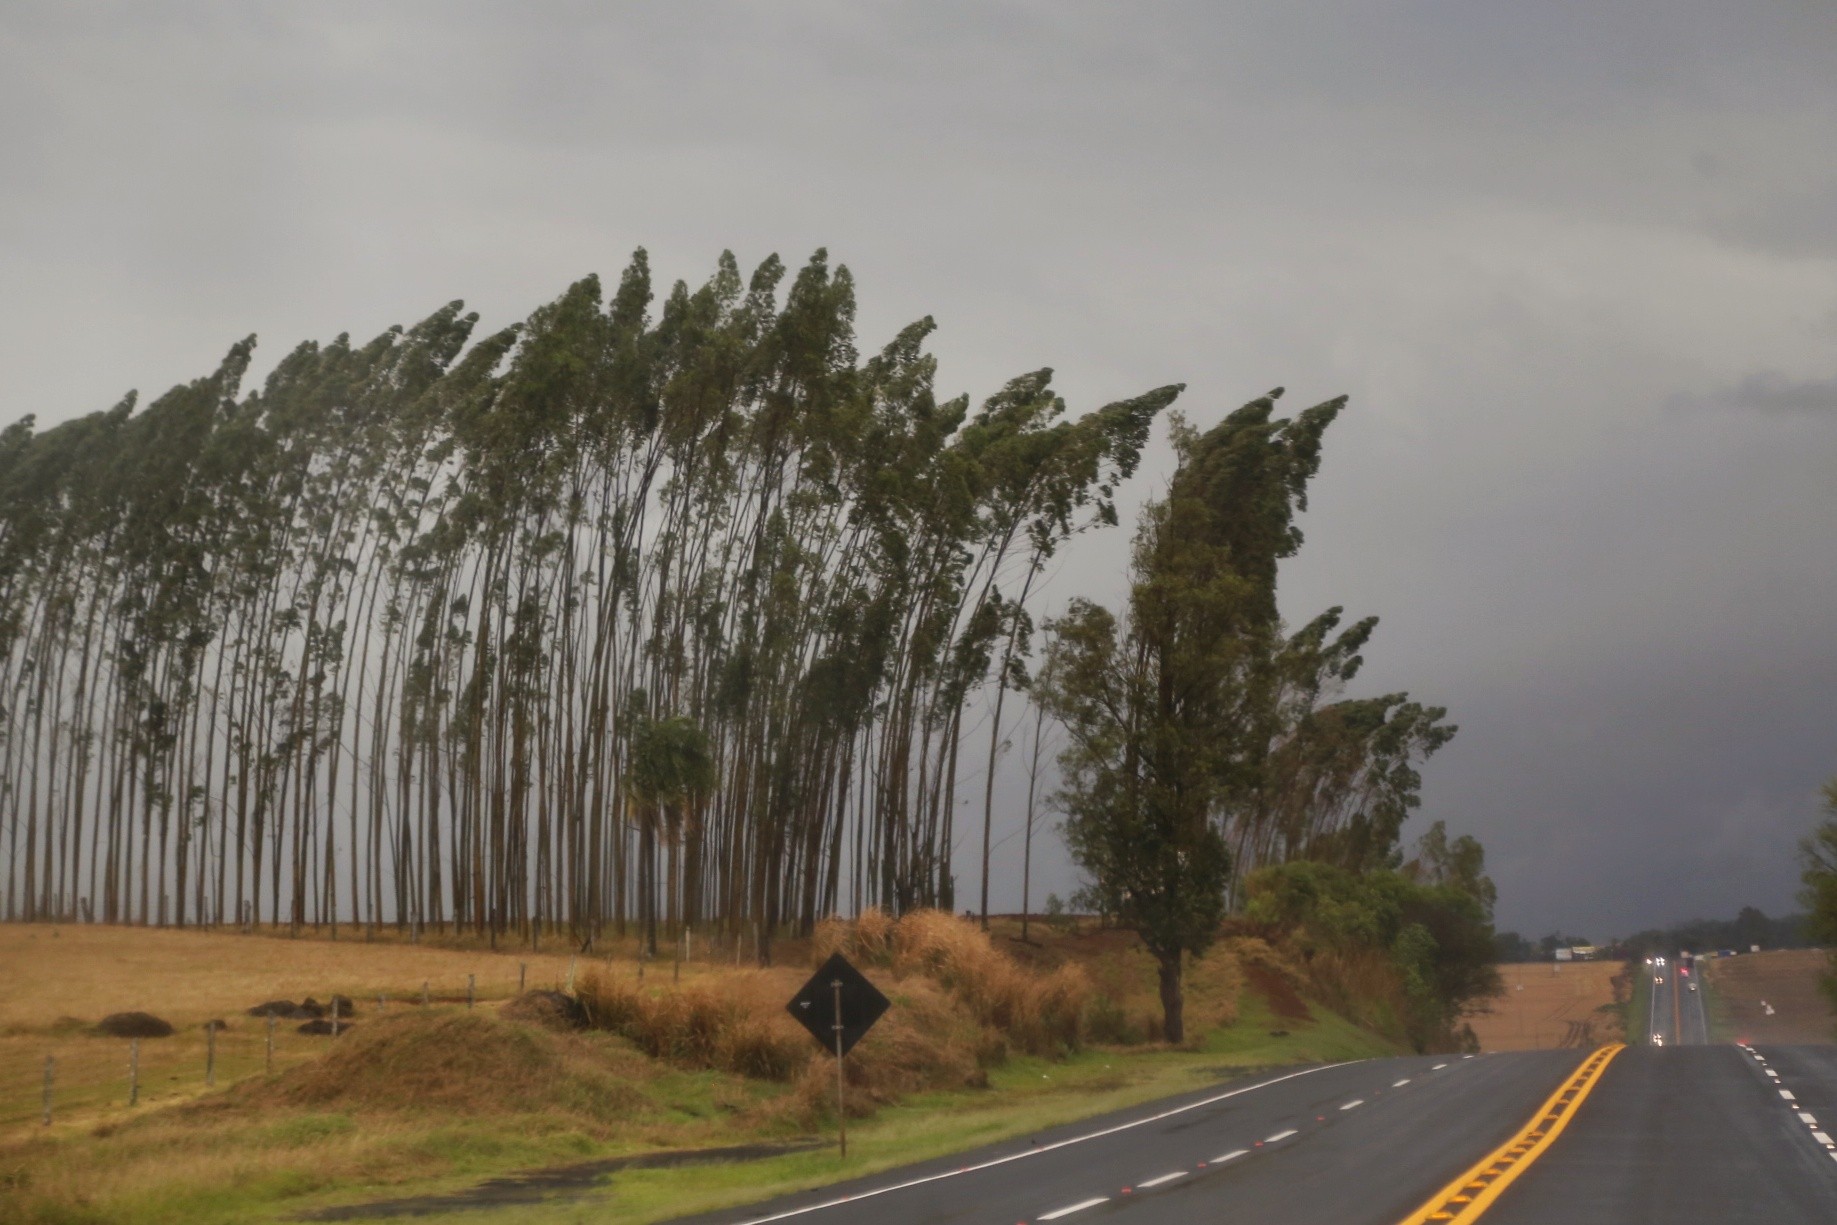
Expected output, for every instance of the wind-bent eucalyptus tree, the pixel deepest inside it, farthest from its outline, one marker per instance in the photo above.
(359, 646)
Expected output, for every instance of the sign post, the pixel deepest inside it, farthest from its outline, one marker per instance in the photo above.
(841, 1106)
(838, 1006)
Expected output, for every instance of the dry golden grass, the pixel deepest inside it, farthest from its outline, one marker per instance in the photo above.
(1123, 1002)
(963, 1004)
(1039, 1011)
(1547, 1005)
(189, 977)
(460, 1062)
(735, 1023)
(450, 1094)
(409, 1097)
(62, 979)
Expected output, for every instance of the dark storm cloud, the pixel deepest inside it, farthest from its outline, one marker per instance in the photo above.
(1772, 392)
(1520, 236)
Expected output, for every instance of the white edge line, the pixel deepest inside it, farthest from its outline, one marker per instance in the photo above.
(1071, 1208)
(1233, 1155)
(1155, 1182)
(1044, 1148)
(1281, 1135)
(1357, 1101)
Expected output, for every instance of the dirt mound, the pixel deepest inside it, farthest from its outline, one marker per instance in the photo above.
(550, 1009)
(283, 1009)
(133, 1025)
(466, 1063)
(320, 1025)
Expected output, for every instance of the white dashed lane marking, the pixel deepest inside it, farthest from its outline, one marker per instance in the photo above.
(1221, 1159)
(1806, 1117)
(1071, 1208)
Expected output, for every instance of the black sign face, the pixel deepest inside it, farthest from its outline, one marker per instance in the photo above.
(814, 1005)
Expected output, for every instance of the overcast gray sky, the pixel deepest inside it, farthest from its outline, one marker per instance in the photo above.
(1575, 264)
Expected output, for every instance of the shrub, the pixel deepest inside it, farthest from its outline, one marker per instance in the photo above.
(735, 1027)
(612, 1004)
(753, 1047)
(1039, 1014)
(1107, 1021)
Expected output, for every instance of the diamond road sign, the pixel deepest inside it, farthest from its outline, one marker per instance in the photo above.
(814, 1005)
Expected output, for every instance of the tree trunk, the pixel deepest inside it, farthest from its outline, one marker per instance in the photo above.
(1173, 1001)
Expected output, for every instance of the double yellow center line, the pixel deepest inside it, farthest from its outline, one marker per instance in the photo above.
(1468, 1196)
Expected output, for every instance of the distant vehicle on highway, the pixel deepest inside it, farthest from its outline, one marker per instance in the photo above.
(1658, 978)
(1658, 1039)
(1693, 986)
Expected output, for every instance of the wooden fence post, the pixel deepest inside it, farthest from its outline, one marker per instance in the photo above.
(133, 1071)
(471, 989)
(522, 975)
(210, 1055)
(424, 993)
(50, 1075)
(270, 1064)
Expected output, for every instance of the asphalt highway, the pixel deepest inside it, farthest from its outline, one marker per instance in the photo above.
(1684, 1133)
(1349, 1143)
(1677, 1015)
(1691, 1134)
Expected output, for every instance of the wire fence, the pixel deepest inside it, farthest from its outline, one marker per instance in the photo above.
(68, 1071)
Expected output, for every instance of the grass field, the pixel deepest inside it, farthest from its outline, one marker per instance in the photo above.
(61, 980)
(1549, 1005)
(1741, 988)
(433, 1099)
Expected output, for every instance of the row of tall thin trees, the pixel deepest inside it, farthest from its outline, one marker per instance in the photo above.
(628, 609)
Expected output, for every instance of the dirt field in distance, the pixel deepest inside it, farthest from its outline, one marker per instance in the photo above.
(193, 975)
(1787, 979)
(1547, 1005)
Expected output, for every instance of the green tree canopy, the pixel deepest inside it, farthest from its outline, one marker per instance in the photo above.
(1162, 705)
